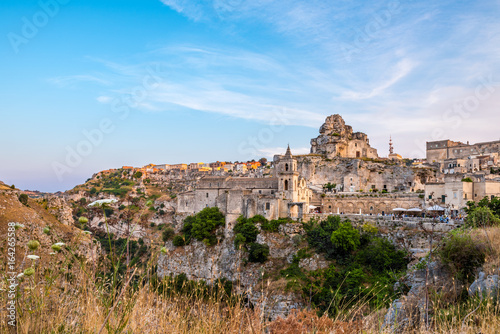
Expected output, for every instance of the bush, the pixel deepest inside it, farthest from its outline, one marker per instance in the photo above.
(93, 190)
(462, 255)
(178, 241)
(381, 256)
(203, 225)
(273, 225)
(247, 229)
(239, 239)
(346, 238)
(23, 198)
(137, 175)
(108, 212)
(258, 252)
(482, 216)
(168, 234)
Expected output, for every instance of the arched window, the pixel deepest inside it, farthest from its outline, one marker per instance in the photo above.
(286, 184)
(286, 167)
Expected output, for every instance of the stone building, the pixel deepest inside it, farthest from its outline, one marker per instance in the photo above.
(438, 151)
(283, 195)
(454, 192)
(337, 139)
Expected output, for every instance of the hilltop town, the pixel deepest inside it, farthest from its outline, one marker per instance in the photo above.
(342, 174)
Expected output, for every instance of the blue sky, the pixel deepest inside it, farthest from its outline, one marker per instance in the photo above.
(91, 85)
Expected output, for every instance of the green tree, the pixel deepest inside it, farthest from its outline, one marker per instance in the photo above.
(247, 229)
(23, 198)
(346, 238)
(482, 216)
(202, 226)
(137, 175)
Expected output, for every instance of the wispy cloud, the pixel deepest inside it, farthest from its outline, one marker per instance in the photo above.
(73, 80)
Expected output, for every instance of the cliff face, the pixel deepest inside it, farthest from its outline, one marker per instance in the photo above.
(355, 175)
(200, 262)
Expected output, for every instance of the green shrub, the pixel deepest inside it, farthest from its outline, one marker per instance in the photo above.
(23, 198)
(247, 229)
(381, 255)
(462, 255)
(137, 175)
(482, 216)
(203, 225)
(93, 190)
(239, 239)
(108, 212)
(467, 179)
(273, 225)
(346, 238)
(258, 252)
(178, 241)
(168, 234)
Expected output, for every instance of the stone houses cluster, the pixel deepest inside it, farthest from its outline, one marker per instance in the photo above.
(465, 172)
(342, 174)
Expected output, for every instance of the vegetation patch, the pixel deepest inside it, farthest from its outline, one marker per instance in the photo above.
(203, 226)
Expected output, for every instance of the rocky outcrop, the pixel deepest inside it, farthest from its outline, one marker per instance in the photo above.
(485, 286)
(335, 137)
(411, 310)
(200, 262)
(58, 207)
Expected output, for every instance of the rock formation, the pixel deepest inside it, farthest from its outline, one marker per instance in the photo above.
(337, 139)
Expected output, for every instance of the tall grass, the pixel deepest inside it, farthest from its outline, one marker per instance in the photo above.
(72, 294)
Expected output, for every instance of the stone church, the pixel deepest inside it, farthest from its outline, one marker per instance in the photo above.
(284, 195)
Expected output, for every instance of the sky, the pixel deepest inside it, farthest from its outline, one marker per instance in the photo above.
(88, 85)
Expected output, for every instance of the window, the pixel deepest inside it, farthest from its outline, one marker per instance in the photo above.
(207, 195)
(385, 186)
(373, 186)
(430, 196)
(443, 198)
(286, 167)
(260, 191)
(286, 184)
(358, 154)
(268, 206)
(454, 195)
(409, 184)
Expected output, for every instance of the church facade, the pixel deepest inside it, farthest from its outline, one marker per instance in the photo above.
(284, 195)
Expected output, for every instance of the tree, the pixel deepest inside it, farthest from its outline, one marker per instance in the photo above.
(23, 198)
(482, 216)
(137, 175)
(346, 238)
(263, 161)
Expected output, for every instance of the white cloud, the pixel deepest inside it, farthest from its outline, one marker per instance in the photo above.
(104, 99)
(72, 80)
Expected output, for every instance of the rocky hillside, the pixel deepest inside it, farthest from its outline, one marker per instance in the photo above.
(31, 217)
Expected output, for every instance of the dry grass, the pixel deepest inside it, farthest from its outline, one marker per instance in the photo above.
(490, 236)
